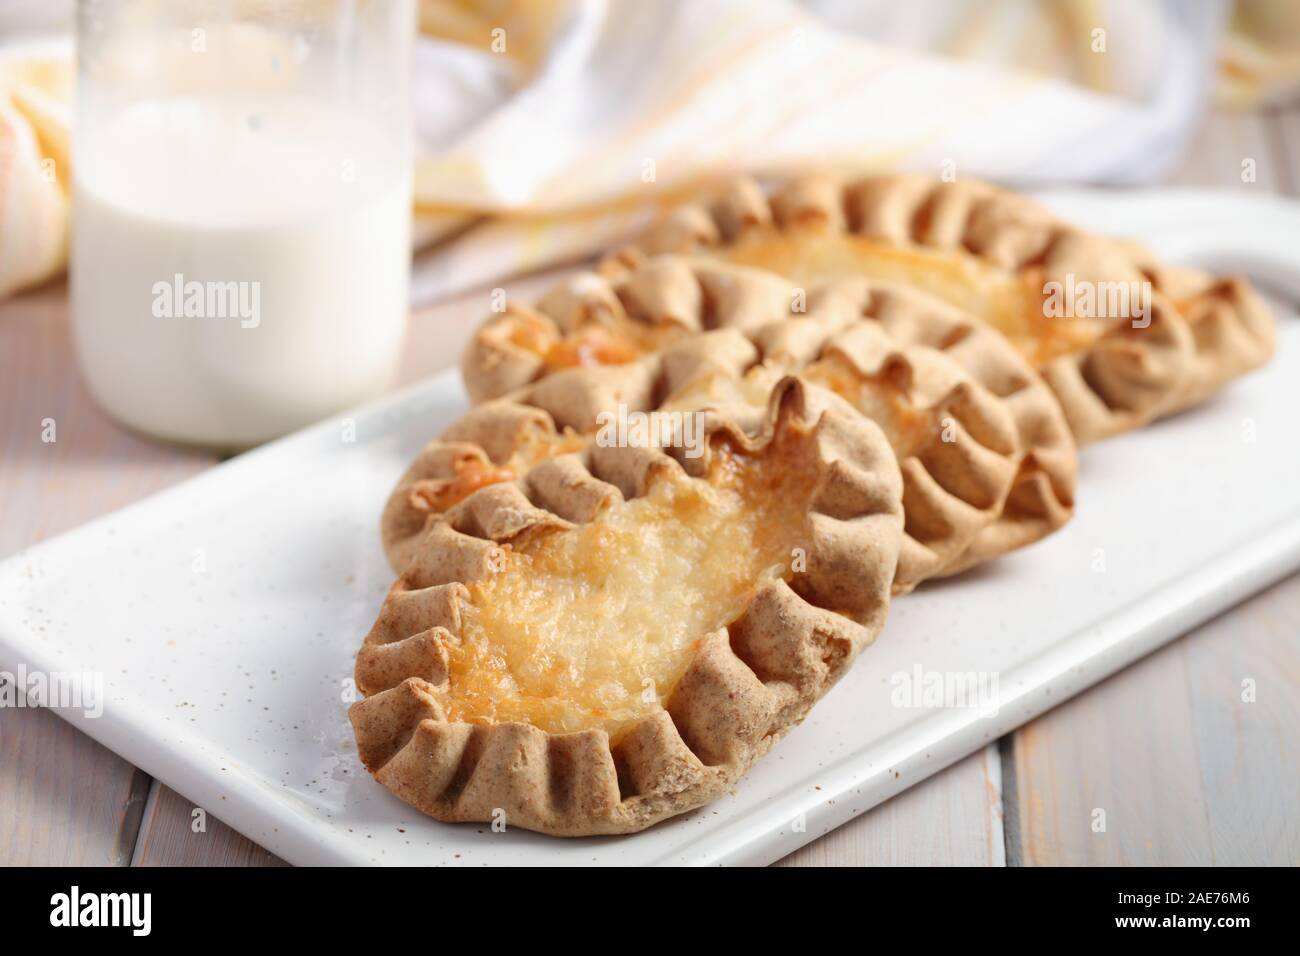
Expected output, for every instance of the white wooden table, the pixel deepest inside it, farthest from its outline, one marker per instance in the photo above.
(1157, 746)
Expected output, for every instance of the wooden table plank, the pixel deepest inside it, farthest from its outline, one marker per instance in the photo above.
(1287, 140)
(1244, 676)
(64, 799)
(176, 833)
(951, 819)
(1184, 772)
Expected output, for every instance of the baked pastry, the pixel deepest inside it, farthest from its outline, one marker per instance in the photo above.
(988, 459)
(1120, 338)
(614, 636)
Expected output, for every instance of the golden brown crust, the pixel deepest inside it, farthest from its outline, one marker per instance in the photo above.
(745, 686)
(1202, 331)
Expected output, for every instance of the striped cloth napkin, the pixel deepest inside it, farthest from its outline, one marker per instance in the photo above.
(549, 129)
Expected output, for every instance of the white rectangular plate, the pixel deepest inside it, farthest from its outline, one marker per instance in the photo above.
(225, 612)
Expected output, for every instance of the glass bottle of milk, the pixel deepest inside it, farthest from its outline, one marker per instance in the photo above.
(242, 204)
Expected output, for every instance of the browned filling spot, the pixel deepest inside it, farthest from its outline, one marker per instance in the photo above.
(439, 494)
(471, 474)
(590, 347)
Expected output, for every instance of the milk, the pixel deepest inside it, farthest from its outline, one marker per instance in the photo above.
(239, 264)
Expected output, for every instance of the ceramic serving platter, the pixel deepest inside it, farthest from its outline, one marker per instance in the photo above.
(222, 615)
